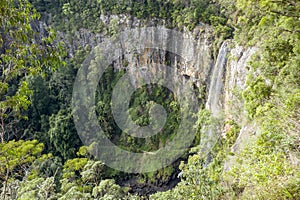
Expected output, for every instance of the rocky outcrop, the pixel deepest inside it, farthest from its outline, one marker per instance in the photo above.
(235, 82)
(202, 51)
(236, 73)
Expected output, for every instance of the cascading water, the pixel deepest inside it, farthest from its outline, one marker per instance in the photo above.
(213, 102)
(211, 131)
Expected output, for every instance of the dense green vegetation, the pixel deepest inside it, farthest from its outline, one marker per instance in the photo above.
(86, 14)
(41, 155)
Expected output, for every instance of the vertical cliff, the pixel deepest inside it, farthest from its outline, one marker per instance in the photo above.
(237, 69)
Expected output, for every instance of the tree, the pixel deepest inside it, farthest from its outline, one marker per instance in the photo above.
(15, 159)
(23, 52)
(81, 175)
(108, 189)
(63, 134)
(38, 188)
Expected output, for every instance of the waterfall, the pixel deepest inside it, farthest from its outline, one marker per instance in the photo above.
(213, 102)
(211, 131)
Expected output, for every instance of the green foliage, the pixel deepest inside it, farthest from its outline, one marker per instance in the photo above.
(232, 129)
(38, 188)
(260, 16)
(198, 180)
(163, 175)
(108, 190)
(86, 14)
(255, 95)
(14, 154)
(264, 169)
(23, 52)
(15, 159)
(140, 104)
(85, 178)
(262, 164)
(63, 135)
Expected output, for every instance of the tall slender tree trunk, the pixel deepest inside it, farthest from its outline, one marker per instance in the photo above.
(5, 183)
(2, 129)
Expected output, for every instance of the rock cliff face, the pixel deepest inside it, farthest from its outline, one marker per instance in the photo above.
(201, 51)
(235, 83)
(236, 73)
(237, 69)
